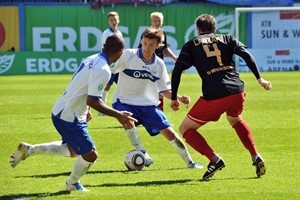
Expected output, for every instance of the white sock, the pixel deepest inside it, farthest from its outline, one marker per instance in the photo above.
(134, 138)
(181, 149)
(52, 148)
(80, 168)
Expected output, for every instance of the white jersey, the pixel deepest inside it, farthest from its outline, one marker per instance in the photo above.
(90, 80)
(108, 32)
(139, 81)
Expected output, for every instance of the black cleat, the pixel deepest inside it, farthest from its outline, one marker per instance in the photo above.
(212, 168)
(260, 166)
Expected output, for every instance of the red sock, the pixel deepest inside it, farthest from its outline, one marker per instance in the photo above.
(197, 141)
(245, 135)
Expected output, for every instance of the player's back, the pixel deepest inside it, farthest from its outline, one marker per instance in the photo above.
(212, 54)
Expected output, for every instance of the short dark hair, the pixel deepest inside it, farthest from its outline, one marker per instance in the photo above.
(113, 44)
(153, 33)
(206, 23)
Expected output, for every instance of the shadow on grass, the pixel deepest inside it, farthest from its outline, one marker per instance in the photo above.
(146, 183)
(36, 195)
(91, 172)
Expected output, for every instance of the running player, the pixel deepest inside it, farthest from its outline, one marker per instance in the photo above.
(222, 88)
(71, 113)
(142, 75)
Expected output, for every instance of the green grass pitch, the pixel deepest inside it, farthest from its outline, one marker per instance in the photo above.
(274, 117)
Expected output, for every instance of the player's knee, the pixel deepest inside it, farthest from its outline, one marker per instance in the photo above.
(91, 156)
(233, 120)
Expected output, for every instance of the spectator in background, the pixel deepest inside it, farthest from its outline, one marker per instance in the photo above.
(157, 20)
(113, 22)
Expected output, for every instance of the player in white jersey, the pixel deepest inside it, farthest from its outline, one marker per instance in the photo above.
(142, 75)
(71, 113)
(113, 22)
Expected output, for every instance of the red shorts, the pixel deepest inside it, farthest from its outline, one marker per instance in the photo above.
(204, 111)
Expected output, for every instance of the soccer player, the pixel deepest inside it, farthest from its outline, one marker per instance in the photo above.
(142, 75)
(71, 113)
(157, 19)
(113, 22)
(223, 90)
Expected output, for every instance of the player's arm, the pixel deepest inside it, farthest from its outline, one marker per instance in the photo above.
(175, 81)
(170, 53)
(183, 99)
(250, 61)
(124, 117)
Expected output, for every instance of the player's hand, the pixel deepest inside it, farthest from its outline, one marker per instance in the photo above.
(126, 119)
(89, 116)
(175, 105)
(185, 100)
(265, 84)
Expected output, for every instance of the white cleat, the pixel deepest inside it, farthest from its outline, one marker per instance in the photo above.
(20, 154)
(195, 165)
(76, 187)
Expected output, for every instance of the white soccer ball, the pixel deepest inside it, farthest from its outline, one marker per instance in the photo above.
(134, 160)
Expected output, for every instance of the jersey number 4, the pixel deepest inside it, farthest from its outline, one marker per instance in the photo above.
(215, 52)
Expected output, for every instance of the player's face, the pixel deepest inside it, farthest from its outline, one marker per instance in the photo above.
(156, 22)
(113, 22)
(116, 56)
(149, 46)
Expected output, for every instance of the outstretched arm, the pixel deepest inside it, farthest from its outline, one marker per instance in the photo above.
(250, 61)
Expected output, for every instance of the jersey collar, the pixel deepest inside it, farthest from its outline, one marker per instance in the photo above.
(140, 55)
(112, 30)
(103, 55)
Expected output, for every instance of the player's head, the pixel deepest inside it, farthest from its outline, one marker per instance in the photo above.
(113, 47)
(157, 19)
(151, 39)
(206, 24)
(113, 20)
(152, 33)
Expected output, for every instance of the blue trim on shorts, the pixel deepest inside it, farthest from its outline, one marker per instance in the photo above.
(151, 117)
(75, 134)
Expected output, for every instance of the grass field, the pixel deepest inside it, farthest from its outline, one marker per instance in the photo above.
(274, 116)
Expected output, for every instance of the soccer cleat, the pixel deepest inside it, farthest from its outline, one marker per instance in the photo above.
(212, 168)
(76, 187)
(195, 165)
(149, 161)
(20, 154)
(259, 165)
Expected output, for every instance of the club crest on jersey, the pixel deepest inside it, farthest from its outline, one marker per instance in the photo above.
(154, 70)
(100, 87)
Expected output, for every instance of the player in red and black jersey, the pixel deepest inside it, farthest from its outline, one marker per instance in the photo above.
(223, 90)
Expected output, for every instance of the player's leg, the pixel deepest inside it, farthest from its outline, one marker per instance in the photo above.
(132, 132)
(80, 168)
(76, 135)
(244, 132)
(134, 138)
(199, 115)
(53, 148)
(180, 147)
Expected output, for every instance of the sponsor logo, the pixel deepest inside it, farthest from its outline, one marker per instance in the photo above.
(6, 62)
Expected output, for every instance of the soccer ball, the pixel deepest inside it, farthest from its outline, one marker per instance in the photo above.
(134, 160)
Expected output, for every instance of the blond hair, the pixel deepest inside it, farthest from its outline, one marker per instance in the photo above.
(157, 14)
(112, 13)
